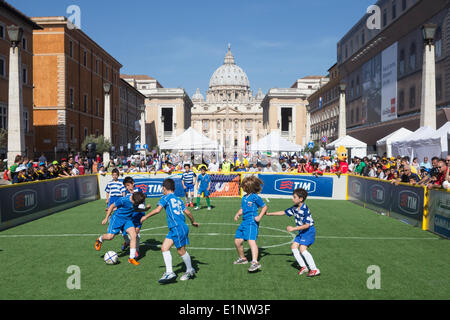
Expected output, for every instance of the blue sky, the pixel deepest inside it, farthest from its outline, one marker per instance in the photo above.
(181, 43)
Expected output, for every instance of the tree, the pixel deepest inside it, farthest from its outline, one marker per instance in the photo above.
(102, 144)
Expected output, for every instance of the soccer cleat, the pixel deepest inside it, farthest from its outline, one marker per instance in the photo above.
(241, 261)
(196, 208)
(133, 261)
(313, 273)
(188, 275)
(125, 246)
(167, 277)
(254, 267)
(209, 208)
(302, 271)
(192, 205)
(98, 244)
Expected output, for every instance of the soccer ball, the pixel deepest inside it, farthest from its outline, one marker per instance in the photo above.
(445, 184)
(111, 257)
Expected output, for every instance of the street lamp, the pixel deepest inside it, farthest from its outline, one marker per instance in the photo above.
(428, 103)
(342, 86)
(16, 138)
(107, 87)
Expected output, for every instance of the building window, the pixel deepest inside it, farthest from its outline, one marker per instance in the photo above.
(2, 31)
(357, 114)
(3, 117)
(352, 88)
(85, 103)
(235, 142)
(412, 97)
(403, 5)
(357, 87)
(85, 132)
(96, 133)
(412, 56)
(394, 9)
(384, 17)
(438, 42)
(96, 107)
(401, 100)
(402, 62)
(438, 88)
(106, 73)
(84, 58)
(71, 49)
(25, 75)
(352, 119)
(71, 98)
(2, 67)
(96, 65)
(26, 121)
(24, 43)
(71, 133)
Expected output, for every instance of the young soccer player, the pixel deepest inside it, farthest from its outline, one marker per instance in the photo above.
(114, 189)
(306, 232)
(188, 180)
(178, 231)
(128, 182)
(204, 185)
(248, 230)
(122, 221)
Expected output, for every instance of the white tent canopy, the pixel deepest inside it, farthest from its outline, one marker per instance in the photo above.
(443, 133)
(424, 142)
(190, 140)
(357, 148)
(275, 143)
(385, 144)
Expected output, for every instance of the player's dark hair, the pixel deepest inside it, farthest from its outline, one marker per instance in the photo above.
(301, 193)
(115, 170)
(128, 180)
(169, 184)
(187, 165)
(252, 184)
(138, 198)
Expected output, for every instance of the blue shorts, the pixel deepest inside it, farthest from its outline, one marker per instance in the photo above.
(112, 199)
(189, 187)
(179, 235)
(306, 237)
(247, 231)
(204, 191)
(119, 223)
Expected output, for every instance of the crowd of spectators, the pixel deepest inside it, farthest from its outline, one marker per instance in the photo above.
(434, 174)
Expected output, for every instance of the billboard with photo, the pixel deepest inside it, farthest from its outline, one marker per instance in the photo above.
(389, 83)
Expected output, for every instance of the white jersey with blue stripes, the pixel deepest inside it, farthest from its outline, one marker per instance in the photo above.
(302, 215)
(115, 188)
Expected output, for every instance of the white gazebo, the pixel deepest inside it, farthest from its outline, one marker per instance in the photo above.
(385, 144)
(190, 140)
(355, 147)
(273, 142)
(424, 142)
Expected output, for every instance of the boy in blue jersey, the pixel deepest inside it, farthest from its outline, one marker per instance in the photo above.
(178, 231)
(121, 220)
(248, 230)
(306, 232)
(204, 185)
(114, 189)
(128, 183)
(188, 180)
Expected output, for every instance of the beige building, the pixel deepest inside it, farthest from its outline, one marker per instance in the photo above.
(230, 114)
(167, 110)
(284, 109)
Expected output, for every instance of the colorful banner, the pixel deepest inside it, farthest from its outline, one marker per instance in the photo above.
(28, 201)
(228, 185)
(406, 201)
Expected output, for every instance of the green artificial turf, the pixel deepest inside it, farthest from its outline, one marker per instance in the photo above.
(414, 264)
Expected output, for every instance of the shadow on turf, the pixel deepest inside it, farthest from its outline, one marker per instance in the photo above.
(149, 244)
(180, 269)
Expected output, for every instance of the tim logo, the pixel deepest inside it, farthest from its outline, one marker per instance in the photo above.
(150, 189)
(24, 201)
(356, 188)
(409, 202)
(87, 188)
(75, 17)
(377, 194)
(289, 185)
(61, 193)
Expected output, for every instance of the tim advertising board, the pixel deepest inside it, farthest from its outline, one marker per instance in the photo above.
(286, 184)
(152, 187)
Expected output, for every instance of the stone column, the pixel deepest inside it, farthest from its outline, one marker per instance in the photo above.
(16, 138)
(308, 127)
(428, 103)
(342, 113)
(107, 125)
(143, 130)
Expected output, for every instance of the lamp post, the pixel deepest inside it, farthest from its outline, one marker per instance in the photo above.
(342, 113)
(16, 138)
(143, 132)
(428, 103)
(107, 119)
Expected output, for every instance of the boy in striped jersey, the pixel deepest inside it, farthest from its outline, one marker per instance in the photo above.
(188, 180)
(306, 232)
(114, 189)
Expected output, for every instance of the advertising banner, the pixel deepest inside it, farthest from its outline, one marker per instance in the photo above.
(284, 185)
(439, 212)
(389, 83)
(24, 202)
(407, 201)
(371, 90)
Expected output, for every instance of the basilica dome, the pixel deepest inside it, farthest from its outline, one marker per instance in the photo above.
(229, 74)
